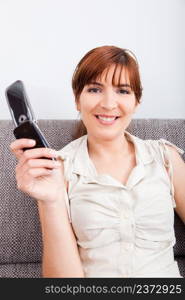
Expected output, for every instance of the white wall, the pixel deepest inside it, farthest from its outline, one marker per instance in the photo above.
(41, 41)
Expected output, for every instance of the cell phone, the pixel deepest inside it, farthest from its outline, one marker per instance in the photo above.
(22, 115)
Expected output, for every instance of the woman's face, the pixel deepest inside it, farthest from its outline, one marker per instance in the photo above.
(106, 110)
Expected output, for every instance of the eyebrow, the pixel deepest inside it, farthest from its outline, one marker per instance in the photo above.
(119, 85)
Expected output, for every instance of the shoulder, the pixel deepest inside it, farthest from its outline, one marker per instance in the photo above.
(68, 155)
(162, 144)
(175, 157)
(71, 148)
(171, 151)
(170, 154)
(160, 149)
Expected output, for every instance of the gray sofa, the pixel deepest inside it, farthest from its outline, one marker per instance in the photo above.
(20, 236)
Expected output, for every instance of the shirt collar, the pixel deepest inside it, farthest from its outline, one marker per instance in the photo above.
(142, 149)
(83, 165)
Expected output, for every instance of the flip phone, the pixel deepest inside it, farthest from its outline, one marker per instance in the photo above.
(23, 116)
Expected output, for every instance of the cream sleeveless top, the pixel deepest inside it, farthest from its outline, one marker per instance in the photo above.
(123, 230)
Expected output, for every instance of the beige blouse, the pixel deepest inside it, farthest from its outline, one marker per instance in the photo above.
(123, 230)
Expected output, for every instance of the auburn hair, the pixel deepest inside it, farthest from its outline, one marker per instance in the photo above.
(99, 59)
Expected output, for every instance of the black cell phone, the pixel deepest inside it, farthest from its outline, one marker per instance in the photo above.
(23, 116)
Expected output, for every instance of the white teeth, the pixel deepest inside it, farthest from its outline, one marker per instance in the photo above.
(106, 119)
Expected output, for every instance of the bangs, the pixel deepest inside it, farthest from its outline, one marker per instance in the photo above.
(97, 63)
(120, 71)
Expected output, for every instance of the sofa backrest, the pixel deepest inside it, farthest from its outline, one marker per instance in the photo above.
(20, 236)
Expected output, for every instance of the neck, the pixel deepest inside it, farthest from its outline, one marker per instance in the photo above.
(106, 149)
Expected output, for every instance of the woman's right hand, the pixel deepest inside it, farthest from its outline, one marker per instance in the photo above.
(32, 174)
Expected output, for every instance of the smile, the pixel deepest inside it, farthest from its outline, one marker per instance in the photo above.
(106, 120)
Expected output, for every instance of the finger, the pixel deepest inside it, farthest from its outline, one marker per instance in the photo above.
(38, 172)
(38, 153)
(24, 165)
(31, 173)
(18, 145)
(42, 163)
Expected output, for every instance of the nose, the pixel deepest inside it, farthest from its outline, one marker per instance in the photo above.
(108, 101)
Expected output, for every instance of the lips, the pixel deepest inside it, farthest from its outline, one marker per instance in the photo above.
(107, 119)
(106, 116)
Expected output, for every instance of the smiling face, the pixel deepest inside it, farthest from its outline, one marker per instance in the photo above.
(107, 105)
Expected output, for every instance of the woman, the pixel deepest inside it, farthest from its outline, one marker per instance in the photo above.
(107, 205)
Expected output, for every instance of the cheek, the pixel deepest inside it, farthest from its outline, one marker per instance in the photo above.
(129, 104)
(86, 108)
(127, 108)
(87, 104)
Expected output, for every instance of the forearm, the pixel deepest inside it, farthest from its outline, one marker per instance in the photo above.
(60, 251)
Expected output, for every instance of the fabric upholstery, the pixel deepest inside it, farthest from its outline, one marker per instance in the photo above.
(20, 236)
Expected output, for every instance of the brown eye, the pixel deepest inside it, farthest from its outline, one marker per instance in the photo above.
(123, 91)
(93, 90)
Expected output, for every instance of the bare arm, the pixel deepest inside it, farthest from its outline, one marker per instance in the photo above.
(60, 251)
(178, 182)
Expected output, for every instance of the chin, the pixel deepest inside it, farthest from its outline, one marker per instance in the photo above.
(108, 136)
